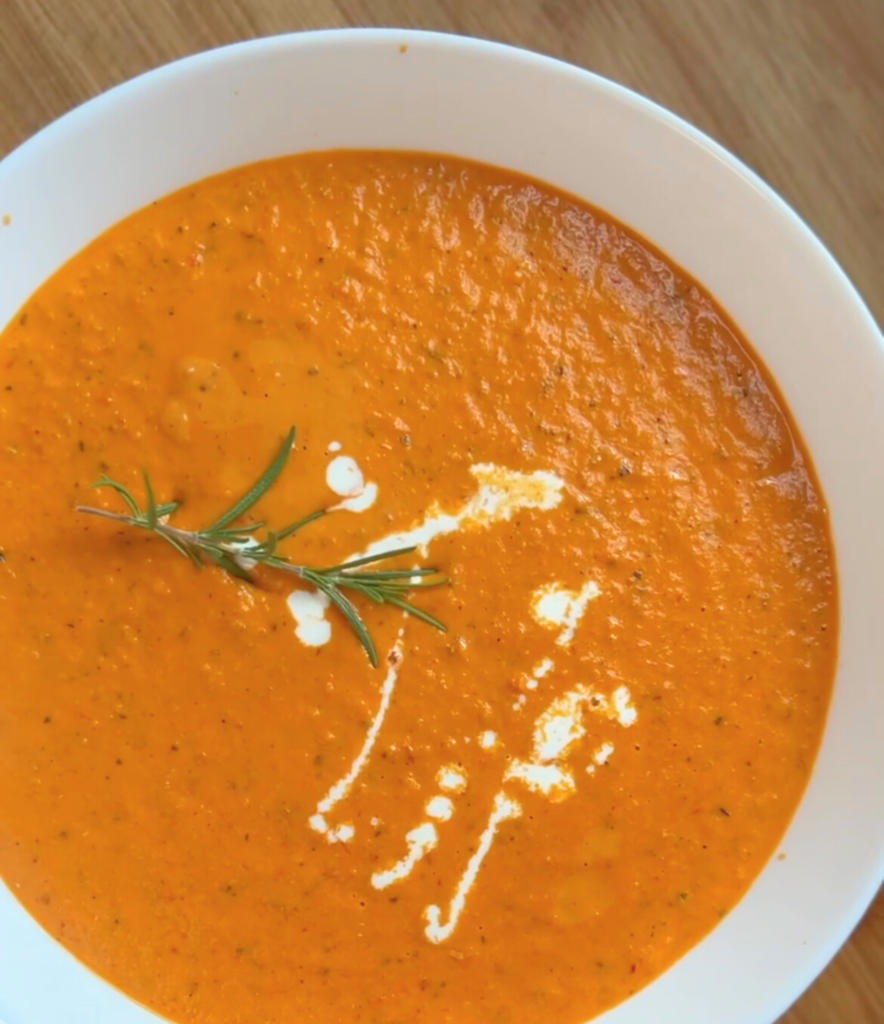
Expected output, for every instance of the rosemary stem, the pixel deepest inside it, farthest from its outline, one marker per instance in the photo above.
(238, 549)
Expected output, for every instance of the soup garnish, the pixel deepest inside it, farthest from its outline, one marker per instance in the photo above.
(237, 550)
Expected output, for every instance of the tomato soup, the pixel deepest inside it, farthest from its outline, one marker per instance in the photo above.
(210, 795)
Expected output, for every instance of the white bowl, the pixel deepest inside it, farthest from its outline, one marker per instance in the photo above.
(680, 190)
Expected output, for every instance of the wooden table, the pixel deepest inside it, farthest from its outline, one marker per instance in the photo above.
(794, 87)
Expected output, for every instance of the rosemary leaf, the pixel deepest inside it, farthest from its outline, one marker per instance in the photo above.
(164, 511)
(122, 490)
(260, 487)
(368, 559)
(150, 516)
(293, 528)
(349, 611)
(181, 547)
(418, 613)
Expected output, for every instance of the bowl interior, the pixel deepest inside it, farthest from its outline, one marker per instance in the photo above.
(395, 89)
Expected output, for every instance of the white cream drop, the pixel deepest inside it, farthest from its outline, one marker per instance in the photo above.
(503, 810)
(346, 479)
(308, 608)
(551, 605)
(440, 808)
(451, 779)
(604, 752)
(335, 446)
(543, 668)
(488, 740)
(624, 708)
(341, 834)
(318, 823)
(554, 606)
(344, 476)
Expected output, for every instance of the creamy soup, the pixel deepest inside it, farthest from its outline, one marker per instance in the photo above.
(211, 796)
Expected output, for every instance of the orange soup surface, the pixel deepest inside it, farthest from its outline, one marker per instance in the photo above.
(210, 796)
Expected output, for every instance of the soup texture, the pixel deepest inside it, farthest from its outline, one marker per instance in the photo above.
(210, 795)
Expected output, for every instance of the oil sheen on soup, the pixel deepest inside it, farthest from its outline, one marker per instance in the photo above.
(210, 795)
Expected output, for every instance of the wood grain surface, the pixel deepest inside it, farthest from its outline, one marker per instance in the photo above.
(793, 87)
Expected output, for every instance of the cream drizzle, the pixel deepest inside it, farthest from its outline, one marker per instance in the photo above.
(343, 786)
(552, 780)
(504, 809)
(501, 493)
(557, 730)
(420, 842)
(423, 839)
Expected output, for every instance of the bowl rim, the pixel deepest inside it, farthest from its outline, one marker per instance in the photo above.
(69, 123)
(68, 120)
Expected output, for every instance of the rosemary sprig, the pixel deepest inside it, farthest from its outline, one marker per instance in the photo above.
(236, 549)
